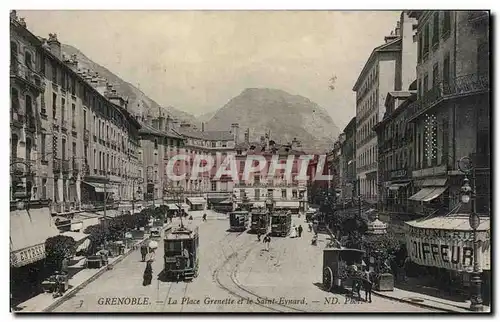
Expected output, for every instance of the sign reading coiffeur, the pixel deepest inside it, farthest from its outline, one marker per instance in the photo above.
(28, 255)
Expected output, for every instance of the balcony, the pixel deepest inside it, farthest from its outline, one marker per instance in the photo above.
(64, 126)
(27, 76)
(86, 135)
(17, 119)
(460, 86)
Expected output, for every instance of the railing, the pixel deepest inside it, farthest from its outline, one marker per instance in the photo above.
(461, 85)
(23, 72)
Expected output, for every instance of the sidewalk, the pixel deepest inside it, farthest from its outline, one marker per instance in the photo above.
(44, 302)
(428, 301)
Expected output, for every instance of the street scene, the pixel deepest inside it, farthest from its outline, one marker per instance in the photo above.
(260, 168)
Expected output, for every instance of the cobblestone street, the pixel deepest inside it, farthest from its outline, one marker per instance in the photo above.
(234, 267)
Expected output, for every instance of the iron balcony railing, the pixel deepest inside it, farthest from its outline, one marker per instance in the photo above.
(26, 74)
(458, 86)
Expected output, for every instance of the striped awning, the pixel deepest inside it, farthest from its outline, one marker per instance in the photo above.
(101, 187)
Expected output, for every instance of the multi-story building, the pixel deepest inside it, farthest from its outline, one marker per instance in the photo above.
(451, 113)
(348, 176)
(451, 120)
(389, 68)
(395, 150)
(285, 193)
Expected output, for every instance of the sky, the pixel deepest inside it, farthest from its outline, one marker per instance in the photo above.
(197, 61)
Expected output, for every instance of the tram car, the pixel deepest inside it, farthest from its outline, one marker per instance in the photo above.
(281, 223)
(181, 253)
(310, 213)
(238, 220)
(260, 221)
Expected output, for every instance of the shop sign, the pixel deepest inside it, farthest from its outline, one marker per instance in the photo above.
(28, 255)
(449, 254)
(398, 173)
(447, 234)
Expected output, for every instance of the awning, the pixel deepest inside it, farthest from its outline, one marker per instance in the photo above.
(99, 187)
(172, 207)
(434, 194)
(287, 204)
(435, 182)
(226, 202)
(29, 229)
(421, 194)
(197, 200)
(75, 235)
(396, 186)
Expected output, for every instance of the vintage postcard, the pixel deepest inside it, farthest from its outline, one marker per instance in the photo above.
(250, 161)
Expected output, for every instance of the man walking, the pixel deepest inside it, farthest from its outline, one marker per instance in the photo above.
(144, 251)
(204, 217)
(267, 241)
(300, 230)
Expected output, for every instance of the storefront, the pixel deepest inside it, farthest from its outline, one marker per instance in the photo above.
(293, 206)
(29, 229)
(197, 203)
(447, 243)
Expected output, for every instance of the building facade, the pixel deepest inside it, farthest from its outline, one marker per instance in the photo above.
(395, 150)
(285, 193)
(451, 114)
(348, 152)
(387, 69)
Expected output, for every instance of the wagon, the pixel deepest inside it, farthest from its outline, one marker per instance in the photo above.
(335, 260)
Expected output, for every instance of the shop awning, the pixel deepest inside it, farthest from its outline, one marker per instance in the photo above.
(421, 194)
(226, 202)
(287, 204)
(197, 200)
(99, 187)
(396, 186)
(29, 229)
(172, 207)
(434, 194)
(78, 237)
(435, 182)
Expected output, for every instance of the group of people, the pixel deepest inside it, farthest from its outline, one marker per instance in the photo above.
(148, 256)
(296, 231)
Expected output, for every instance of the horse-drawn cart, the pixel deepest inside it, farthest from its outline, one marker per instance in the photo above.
(335, 262)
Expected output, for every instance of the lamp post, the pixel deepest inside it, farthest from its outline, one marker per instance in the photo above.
(139, 180)
(469, 195)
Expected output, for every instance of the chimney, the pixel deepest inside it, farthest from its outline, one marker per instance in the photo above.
(247, 136)
(235, 130)
(168, 124)
(161, 122)
(203, 126)
(55, 45)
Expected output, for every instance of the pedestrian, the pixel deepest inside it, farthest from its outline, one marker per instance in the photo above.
(310, 227)
(148, 274)
(300, 230)
(267, 241)
(258, 236)
(204, 217)
(294, 232)
(144, 251)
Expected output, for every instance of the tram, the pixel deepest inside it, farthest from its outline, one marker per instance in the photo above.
(238, 220)
(181, 253)
(260, 221)
(281, 223)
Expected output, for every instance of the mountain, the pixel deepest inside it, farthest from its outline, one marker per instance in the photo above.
(138, 101)
(205, 117)
(285, 115)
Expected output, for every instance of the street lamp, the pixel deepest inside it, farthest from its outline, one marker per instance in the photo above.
(468, 194)
(139, 181)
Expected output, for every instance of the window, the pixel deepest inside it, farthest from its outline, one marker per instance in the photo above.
(294, 194)
(54, 106)
(435, 29)
(63, 149)
(257, 194)
(446, 70)
(426, 41)
(86, 153)
(73, 115)
(73, 86)
(84, 119)
(224, 144)
(242, 193)
(426, 84)
(270, 193)
(283, 193)
(43, 142)
(420, 48)
(446, 23)
(63, 103)
(256, 179)
(74, 149)
(214, 186)
(54, 73)
(435, 75)
(28, 60)
(156, 144)
(213, 144)
(44, 188)
(14, 99)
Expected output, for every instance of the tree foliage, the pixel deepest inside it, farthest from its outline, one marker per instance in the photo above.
(57, 248)
(383, 248)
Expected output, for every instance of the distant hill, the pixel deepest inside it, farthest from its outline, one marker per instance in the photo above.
(138, 101)
(285, 115)
(205, 117)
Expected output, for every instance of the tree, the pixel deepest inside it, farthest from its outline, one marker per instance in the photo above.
(383, 248)
(56, 249)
